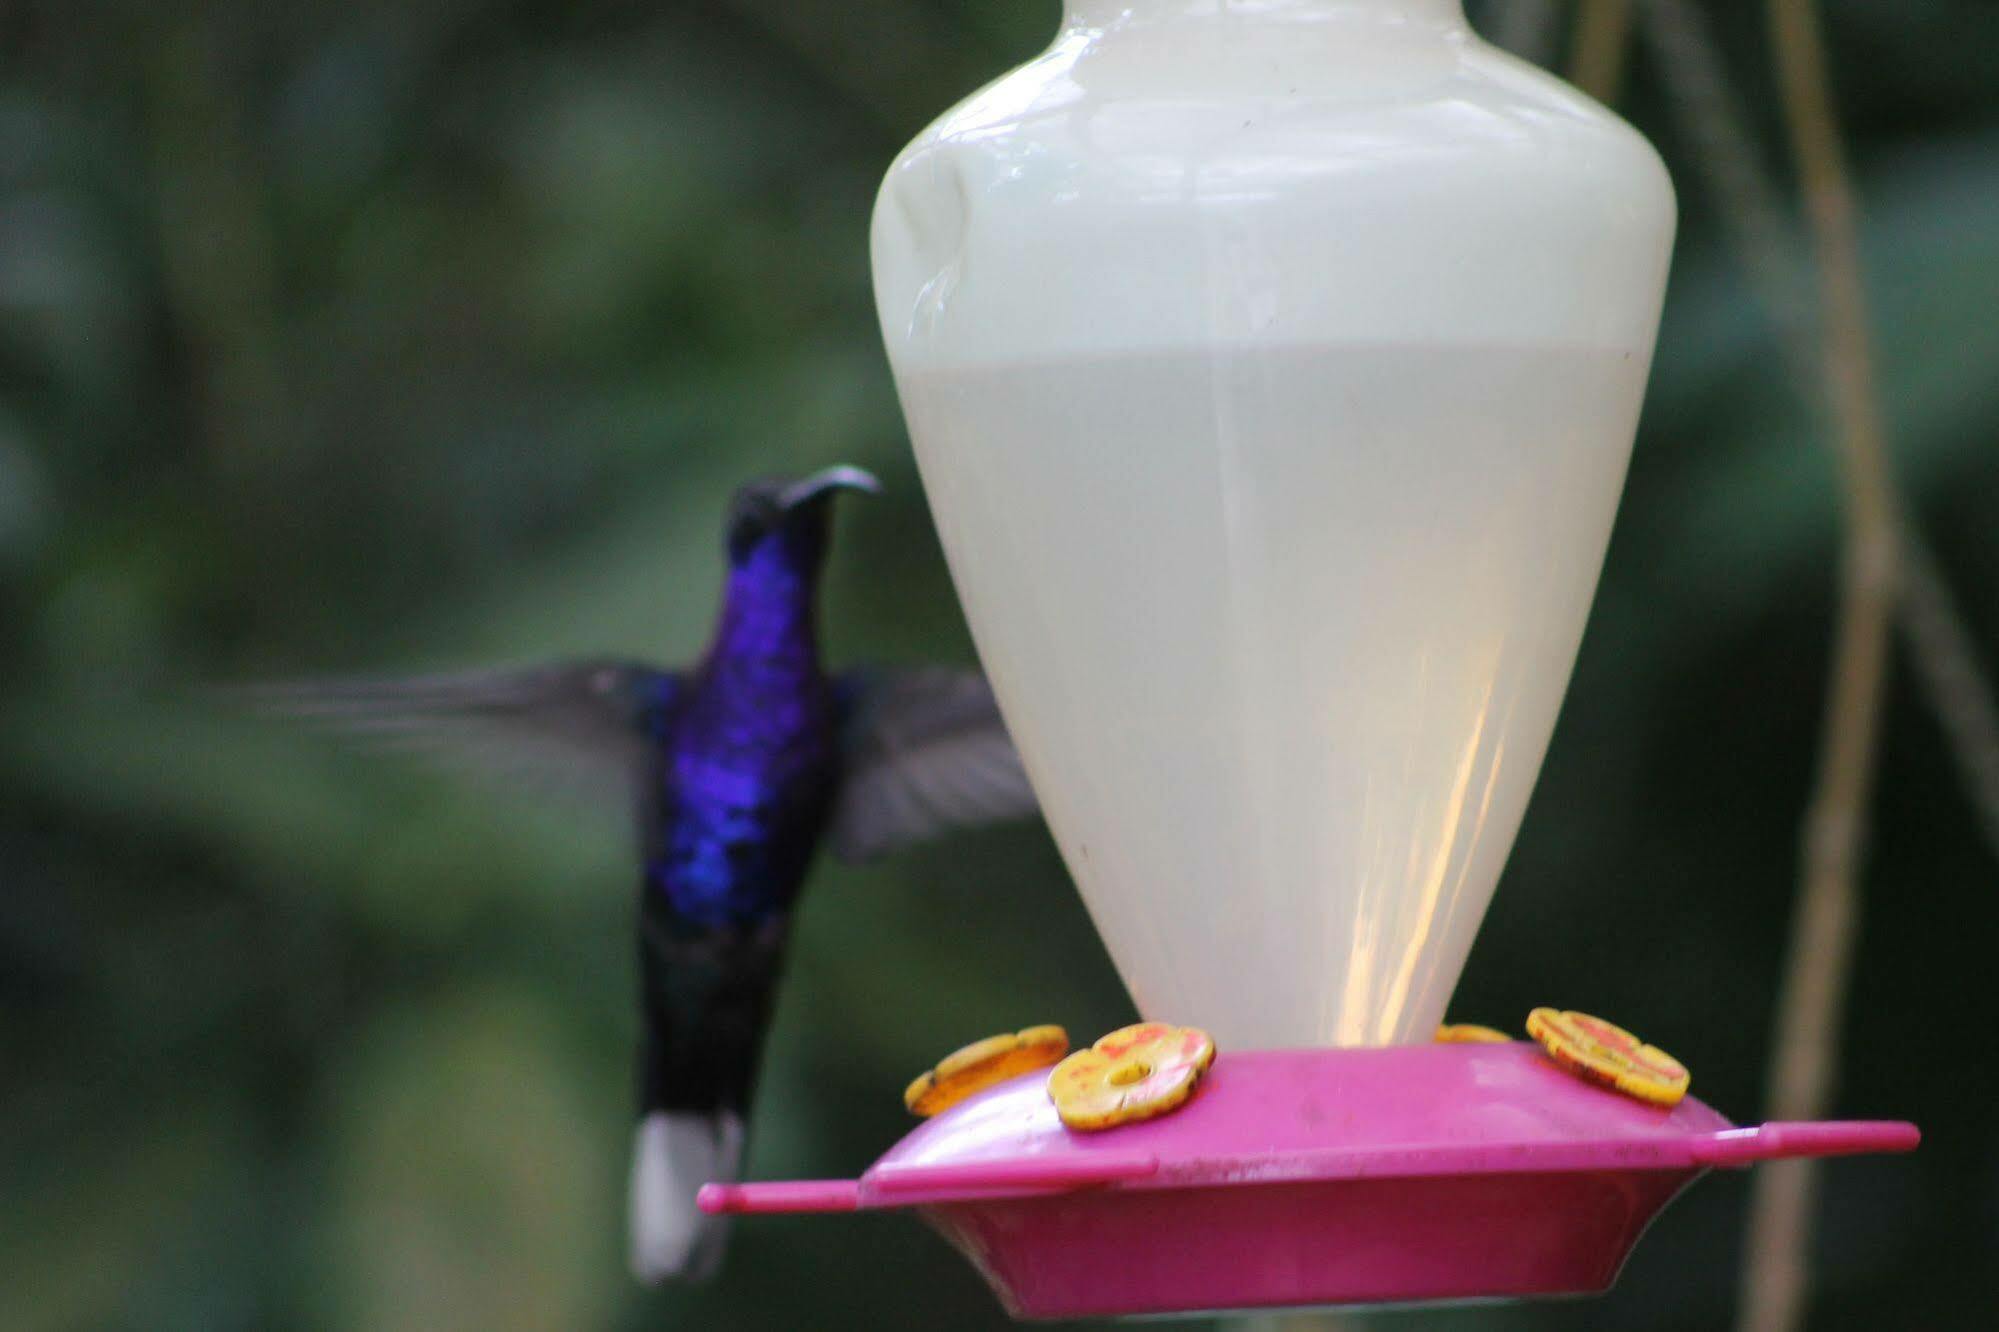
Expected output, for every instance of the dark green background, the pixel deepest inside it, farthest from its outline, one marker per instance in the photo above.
(372, 335)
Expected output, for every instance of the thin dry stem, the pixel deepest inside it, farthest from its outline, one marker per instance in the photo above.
(1943, 648)
(1955, 679)
(1527, 28)
(1754, 216)
(1819, 960)
(1597, 53)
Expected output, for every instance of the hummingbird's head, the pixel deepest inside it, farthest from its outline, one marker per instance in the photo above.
(790, 518)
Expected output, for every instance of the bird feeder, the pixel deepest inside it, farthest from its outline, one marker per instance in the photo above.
(1272, 367)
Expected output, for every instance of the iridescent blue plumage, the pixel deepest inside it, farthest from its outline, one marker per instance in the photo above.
(749, 760)
(739, 768)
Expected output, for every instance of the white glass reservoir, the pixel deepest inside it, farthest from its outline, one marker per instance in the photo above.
(1272, 368)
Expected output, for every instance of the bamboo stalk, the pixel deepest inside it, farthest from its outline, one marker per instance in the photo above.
(1805, 1062)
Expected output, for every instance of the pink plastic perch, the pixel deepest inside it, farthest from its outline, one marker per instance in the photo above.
(795, 1195)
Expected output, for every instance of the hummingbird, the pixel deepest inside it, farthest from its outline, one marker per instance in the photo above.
(737, 769)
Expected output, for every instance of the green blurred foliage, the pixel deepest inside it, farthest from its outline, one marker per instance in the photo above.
(374, 335)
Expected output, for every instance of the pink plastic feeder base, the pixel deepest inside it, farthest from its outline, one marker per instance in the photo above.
(1368, 1241)
(1310, 1177)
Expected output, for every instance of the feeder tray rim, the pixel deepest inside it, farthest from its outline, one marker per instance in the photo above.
(1204, 1146)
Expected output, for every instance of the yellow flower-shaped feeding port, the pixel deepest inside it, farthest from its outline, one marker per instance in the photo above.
(984, 1064)
(1608, 1055)
(1134, 1073)
(1469, 1033)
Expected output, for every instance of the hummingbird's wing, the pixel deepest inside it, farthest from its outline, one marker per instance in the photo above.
(577, 726)
(925, 751)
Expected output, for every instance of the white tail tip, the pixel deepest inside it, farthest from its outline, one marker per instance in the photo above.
(673, 1156)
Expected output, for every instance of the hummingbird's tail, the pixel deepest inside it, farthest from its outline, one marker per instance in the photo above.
(705, 999)
(675, 1153)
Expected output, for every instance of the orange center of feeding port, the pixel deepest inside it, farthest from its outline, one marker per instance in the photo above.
(967, 1071)
(1134, 1073)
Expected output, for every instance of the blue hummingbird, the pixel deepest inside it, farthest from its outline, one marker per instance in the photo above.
(738, 768)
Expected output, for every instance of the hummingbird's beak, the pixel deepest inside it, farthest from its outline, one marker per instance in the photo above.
(824, 483)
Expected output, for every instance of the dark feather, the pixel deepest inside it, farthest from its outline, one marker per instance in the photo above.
(577, 726)
(926, 752)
